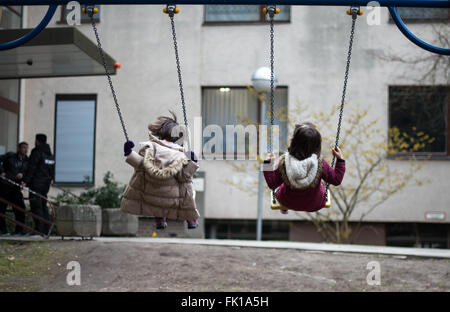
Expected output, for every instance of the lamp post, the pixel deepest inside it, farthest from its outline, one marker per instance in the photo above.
(261, 85)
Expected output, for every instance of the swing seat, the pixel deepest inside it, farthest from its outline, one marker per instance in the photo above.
(328, 203)
(274, 203)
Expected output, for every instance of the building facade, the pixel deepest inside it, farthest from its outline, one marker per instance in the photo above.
(220, 48)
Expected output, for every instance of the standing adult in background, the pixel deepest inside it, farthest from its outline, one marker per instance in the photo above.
(40, 174)
(13, 166)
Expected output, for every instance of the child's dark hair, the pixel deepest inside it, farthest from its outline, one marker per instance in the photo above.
(305, 141)
(163, 127)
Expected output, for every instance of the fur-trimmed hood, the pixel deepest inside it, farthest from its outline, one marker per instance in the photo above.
(162, 160)
(301, 174)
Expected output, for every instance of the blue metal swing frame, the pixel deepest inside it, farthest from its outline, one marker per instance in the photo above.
(391, 4)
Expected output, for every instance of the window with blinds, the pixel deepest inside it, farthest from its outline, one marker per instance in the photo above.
(75, 138)
(234, 106)
(10, 17)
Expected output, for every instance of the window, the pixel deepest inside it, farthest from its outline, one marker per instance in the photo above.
(239, 106)
(9, 115)
(84, 17)
(424, 14)
(8, 126)
(243, 14)
(246, 229)
(75, 117)
(419, 235)
(10, 17)
(421, 112)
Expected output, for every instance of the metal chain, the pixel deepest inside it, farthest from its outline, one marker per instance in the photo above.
(344, 91)
(180, 81)
(26, 189)
(271, 12)
(51, 203)
(272, 78)
(102, 55)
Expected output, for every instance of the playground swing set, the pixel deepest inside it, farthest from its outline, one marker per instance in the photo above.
(171, 9)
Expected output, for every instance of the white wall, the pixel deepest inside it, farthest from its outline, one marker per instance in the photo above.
(310, 59)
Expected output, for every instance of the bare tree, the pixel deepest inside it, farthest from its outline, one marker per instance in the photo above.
(429, 67)
(370, 179)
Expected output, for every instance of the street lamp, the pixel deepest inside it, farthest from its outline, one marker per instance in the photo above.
(261, 85)
(261, 80)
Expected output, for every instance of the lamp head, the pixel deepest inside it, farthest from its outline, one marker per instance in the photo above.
(261, 80)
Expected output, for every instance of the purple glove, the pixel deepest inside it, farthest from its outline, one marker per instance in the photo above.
(127, 148)
(193, 157)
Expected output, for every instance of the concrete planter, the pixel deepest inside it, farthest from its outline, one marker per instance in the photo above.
(79, 220)
(118, 223)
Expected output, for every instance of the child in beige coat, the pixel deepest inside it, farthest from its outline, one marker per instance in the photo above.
(161, 185)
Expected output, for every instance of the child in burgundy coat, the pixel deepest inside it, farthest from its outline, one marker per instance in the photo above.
(298, 174)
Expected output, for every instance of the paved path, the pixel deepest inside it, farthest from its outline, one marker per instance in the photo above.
(362, 249)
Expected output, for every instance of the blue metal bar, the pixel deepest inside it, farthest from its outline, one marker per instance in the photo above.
(384, 3)
(416, 40)
(389, 3)
(24, 39)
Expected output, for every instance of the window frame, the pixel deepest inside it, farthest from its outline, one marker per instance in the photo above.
(76, 97)
(9, 7)
(14, 11)
(11, 107)
(236, 154)
(418, 19)
(262, 19)
(421, 155)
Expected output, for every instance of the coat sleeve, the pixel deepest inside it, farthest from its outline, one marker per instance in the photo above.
(32, 165)
(134, 159)
(273, 178)
(187, 172)
(336, 175)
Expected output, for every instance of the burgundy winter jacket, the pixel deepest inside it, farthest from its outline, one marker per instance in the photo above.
(298, 183)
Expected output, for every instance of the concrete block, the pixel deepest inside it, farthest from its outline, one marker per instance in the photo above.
(117, 223)
(79, 220)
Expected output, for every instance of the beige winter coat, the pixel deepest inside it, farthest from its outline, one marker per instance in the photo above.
(161, 185)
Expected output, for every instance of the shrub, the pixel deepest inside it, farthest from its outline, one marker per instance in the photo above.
(107, 196)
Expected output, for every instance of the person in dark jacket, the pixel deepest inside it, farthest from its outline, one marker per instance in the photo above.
(13, 166)
(40, 174)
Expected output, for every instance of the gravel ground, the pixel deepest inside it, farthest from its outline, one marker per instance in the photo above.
(130, 266)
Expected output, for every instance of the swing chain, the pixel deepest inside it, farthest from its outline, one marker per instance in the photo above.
(271, 80)
(171, 10)
(271, 10)
(354, 12)
(90, 10)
